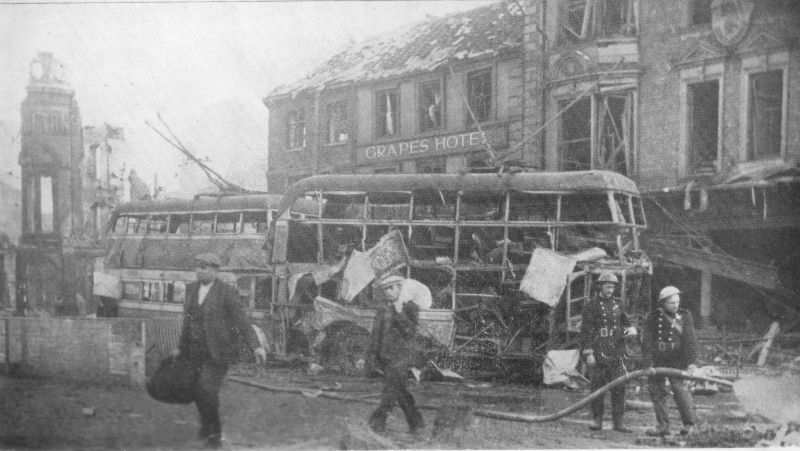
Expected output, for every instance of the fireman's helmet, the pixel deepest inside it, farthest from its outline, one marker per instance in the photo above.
(666, 292)
(607, 278)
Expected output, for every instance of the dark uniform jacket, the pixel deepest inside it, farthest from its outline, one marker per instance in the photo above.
(220, 323)
(394, 339)
(669, 339)
(603, 329)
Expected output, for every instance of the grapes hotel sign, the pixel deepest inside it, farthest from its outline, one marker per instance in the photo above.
(434, 146)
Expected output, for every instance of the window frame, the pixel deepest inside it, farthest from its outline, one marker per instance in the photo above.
(292, 124)
(688, 77)
(755, 65)
(423, 112)
(381, 127)
(488, 72)
(331, 138)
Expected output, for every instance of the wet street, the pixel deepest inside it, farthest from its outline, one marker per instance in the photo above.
(68, 415)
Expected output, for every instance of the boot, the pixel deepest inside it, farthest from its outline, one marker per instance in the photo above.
(619, 426)
(414, 418)
(597, 424)
(377, 422)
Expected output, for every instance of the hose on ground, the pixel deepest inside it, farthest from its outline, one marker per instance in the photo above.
(495, 415)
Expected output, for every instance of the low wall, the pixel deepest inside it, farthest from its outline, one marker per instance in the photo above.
(86, 349)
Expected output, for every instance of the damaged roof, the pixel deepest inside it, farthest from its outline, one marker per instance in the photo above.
(487, 32)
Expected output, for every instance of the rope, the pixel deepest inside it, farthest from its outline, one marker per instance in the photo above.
(495, 415)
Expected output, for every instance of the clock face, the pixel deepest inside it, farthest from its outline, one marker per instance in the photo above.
(37, 70)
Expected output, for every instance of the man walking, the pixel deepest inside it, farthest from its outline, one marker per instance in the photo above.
(669, 341)
(215, 328)
(603, 332)
(393, 344)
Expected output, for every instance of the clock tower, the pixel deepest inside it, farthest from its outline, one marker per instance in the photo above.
(52, 216)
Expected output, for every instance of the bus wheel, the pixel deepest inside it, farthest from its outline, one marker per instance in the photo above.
(343, 346)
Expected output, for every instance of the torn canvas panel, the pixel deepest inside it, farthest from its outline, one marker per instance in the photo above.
(546, 276)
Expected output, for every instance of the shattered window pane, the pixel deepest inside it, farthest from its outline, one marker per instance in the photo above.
(432, 242)
(228, 222)
(479, 95)
(435, 205)
(389, 206)
(387, 110)
(344, 206)
(638, 211)
(157, 225)
(585, 208)
(533, 207)
(430, 104)
(337, 122)
(136, 224)
(481, 206)
(302, 242)
(481, 244)
(765, 114)
(119, 224)
(179, 224)
(255, 222)
(590, 19)
(376, 232)
(340, 240)
(203, 223)
(622, 202)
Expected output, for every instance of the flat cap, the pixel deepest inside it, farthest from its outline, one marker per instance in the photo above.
(390, 280)
(209, 258)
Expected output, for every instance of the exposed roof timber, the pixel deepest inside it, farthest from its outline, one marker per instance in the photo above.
(753, 273)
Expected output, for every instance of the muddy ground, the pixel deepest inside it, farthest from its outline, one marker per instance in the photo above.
(51, 414)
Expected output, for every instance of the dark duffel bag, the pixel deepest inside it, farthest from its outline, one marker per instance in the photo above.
(174, 381)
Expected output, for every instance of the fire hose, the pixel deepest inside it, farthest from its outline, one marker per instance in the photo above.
(650, 372)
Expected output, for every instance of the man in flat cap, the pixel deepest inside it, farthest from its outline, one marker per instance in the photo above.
(393, 345)
(215, 328)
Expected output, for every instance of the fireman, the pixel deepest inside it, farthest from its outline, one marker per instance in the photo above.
(669, 341)
(603, 331)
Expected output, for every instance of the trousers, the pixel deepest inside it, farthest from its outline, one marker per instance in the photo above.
(657, 386)
(395, 392)
(602, 374)
(206, 397)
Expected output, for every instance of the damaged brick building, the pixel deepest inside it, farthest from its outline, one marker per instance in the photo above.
(691, 99)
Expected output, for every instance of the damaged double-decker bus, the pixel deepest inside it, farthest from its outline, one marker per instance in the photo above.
(151, 245)
(510, 259)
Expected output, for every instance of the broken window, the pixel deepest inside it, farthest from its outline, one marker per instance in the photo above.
(157, 225)
(203, 223)
(387, 113)
(389, 206)
(612, 149)
(137, 224)
(765, 114)
(703, 125)
(479, 95)
(228, 222)
(591, 19)
(337, 122)
(701, 12)
(575, 143)
(179, 224)
(174, 292)
(119, 224)
(255, 222)
(430, 105)
(296, 130)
